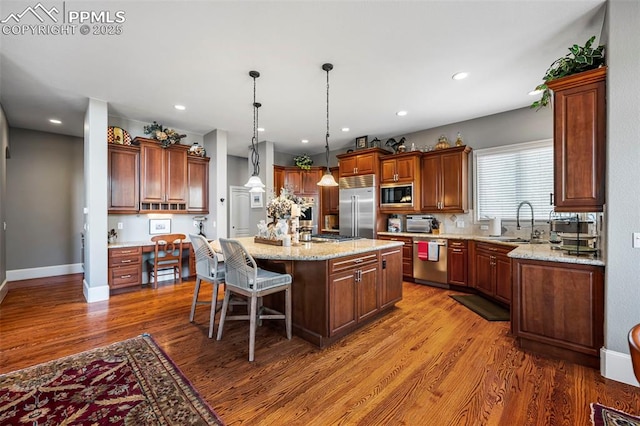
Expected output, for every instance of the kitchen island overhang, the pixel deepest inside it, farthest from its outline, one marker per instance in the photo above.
(337, 287)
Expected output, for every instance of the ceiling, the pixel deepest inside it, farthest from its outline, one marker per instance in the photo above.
(387, 55)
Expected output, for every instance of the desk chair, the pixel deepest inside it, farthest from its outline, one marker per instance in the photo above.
(634, 348)
(167, 255)
(243, 277)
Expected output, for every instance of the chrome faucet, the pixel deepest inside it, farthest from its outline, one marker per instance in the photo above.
(518, 217)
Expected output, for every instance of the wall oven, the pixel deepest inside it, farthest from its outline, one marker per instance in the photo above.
(396, 195)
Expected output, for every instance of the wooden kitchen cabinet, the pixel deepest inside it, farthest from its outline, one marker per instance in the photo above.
(492, 271)
(445, 180)
(353, 291)
(458, 262)
(302, 182)
(558, 309)
(124, 267)
(364, 162)
(391, 272)
(163, 177)
(330, 195)
(198, 184)
(579, 141)
(124, 179)
(278, 179)
(400, 168)
(407, 254)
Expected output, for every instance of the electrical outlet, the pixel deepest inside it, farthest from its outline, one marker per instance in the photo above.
(120, 225)
(484, 227)
(460, 224)
(636, 240)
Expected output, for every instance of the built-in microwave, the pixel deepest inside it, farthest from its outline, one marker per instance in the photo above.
(396, 195)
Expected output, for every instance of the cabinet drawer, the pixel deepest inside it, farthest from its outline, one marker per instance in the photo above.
(459, 244)
(345, 263)
(125, 260)
(125, 251)
(125, 276)
(494, 248)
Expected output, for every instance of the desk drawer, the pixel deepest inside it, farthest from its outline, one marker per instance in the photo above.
(125, 276)
(125, 256)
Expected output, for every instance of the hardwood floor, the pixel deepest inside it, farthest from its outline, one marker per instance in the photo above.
(430, 361)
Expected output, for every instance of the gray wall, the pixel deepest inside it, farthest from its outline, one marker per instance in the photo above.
(237, 174)
(622, 290)
(4, 143)
(44, 199)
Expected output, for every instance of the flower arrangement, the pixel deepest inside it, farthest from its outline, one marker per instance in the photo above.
(280, 206)
(166, 137)
(303, 161)
(112, 235)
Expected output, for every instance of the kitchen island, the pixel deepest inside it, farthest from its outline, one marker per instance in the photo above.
(337, 287)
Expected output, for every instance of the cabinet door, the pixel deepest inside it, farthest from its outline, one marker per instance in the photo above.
(124, 179)
(579, 142)
(484, 272)
(388, 171)
(310, 180)
(176, 176)
(502, 265)
(405, 169)
(292, 180)
(198, 184)
(453, 182)
(348, 166)
(342, 302)
(368, 303)
(457, 266)
(430, 183)
(152, 170)
(278, 179)
(390, 276)
(366, 164)
(334, 192)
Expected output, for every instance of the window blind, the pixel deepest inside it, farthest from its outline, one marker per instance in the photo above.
(508, 175)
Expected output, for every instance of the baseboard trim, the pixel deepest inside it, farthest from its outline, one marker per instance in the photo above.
(617, 366)
(45, 271)
(4, 289)
(95, 294)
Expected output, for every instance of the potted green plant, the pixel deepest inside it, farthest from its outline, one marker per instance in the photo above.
(303, 161)
(579, 59)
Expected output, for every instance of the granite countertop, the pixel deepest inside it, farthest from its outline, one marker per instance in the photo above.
(312, 250)
(520, 251)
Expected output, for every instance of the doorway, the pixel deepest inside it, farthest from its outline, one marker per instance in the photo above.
(239, 209)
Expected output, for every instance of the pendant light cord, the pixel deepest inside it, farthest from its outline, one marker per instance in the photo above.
(255, 159)
(327, 68)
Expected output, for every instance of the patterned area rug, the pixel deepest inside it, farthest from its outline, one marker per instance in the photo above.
(127, 383)
(605, 416)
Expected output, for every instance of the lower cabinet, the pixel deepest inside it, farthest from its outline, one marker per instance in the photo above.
(558, 309)
(353, 291)
(458, 262)
(407, 254)
(125, 267)
(391, 266)
(492, 271)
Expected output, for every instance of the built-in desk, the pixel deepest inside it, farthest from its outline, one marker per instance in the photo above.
(126, 260)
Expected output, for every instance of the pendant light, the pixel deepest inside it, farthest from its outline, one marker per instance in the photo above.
(254, 182)
(327, 178)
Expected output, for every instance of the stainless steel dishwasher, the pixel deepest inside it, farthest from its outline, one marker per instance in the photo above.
(429, 271)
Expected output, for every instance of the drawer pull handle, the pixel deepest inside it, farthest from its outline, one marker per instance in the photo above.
(126, 261)
(125, 276)
(358, 261)
(457, 250)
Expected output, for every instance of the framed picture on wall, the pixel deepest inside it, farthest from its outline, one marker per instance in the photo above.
(256, 200)
(159, 226)
(361, 142)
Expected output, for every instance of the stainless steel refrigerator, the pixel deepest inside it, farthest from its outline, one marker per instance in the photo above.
(358, 206)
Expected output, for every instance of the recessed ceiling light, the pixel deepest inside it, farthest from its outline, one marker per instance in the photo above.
(261, 129)
(180, 107)
(401, 113)
(535, 92)
(305, 141)
(345, 129)
(460, 75)
(55, 121)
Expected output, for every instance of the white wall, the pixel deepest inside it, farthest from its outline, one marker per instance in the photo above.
(622, 291)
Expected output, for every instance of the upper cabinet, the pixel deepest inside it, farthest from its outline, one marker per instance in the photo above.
(400, 168)
(330, 195)
(124, 178)
(198, 184)
(579, 138)
(302, 182)
(163, 176)
(365, 162)
(445, 180)
(278, 179)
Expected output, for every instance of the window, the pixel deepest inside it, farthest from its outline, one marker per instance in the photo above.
(508, 175)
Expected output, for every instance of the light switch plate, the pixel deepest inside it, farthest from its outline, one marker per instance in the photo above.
(484, 227)
(636, 240)
(120, 225)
